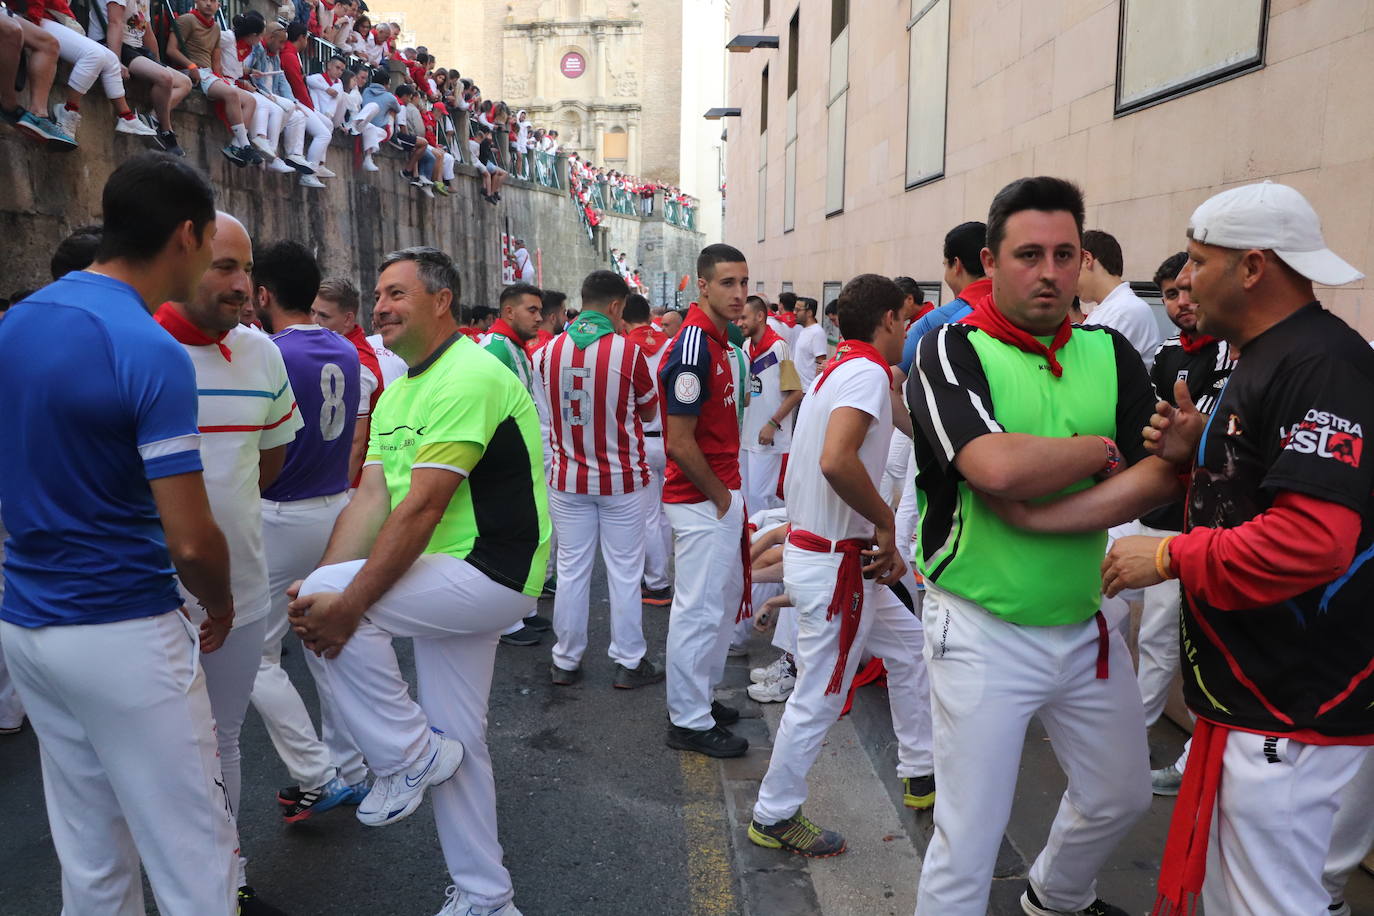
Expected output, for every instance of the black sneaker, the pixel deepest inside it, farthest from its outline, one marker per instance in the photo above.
(1031, 906)
(798, 835)
(919, 792)
(551, 583)
(168, 141)
(643, 675)
(235, 154)
(562, 677)
(539, 623)
(656, 597)
(724, 715)
(289, 796)
(521, 637)
(250, 905)
(713, 742)
(251, 156)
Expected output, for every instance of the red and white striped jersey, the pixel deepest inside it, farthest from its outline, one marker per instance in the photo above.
(594, 396)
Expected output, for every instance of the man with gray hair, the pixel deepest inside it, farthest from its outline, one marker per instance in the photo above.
(445, 542)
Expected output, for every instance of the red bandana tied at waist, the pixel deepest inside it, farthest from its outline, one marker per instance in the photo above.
(848, 598)
(1191, 343)
(1185, 851)
(987, 317)
(770, 337)
(854, 349)
(180, 327)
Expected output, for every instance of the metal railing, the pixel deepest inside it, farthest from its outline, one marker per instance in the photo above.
(623, 202)
(679, 214)
(546, 170)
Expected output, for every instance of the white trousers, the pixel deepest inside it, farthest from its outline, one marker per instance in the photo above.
(886, 629)
(294, 536)
(372, 137)
(454, 614)
(301, 122)
(759, 474)
(785, 630)
(987, 678)
(658, 536)
(90, 60)
(127, 745)
(1158, 641)
(11, 707)
(229, 674)
(706, 597)
(1352, 835)
(1272, 828)
(616, 522)
(267, 121)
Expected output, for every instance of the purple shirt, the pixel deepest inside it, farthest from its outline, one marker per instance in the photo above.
(323, 368)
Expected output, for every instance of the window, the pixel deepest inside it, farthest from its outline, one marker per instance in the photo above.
(763, 102)
(931, 291)
(837, 107)
(786, 287)
(758, 287)
(763, 158)
(767, 9)
(789, 155)
(616, 144)
(1171, 47)
(927, 84)
(1147, 290)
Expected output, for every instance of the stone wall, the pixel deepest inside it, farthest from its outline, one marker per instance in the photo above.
(350, 224)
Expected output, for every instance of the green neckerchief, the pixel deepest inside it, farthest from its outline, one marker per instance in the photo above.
(590, 327)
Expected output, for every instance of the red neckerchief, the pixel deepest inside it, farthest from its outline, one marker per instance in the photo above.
(499, 326)
(1191, 343)
(180, 327)
(696, 315)
(975, 291)
(648, 338)
(470, 332)
(987, 317)
(789, 319)
(207, 21)
(243, 49)
(327, 80)
(853, 349)
(769, 338)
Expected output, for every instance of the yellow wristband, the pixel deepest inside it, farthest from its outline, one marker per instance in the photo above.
(1162, 559)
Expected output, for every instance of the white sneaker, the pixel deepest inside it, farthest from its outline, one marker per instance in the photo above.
(276, 165)
(456, 904)
(1166, 781)
(264, 146)
(301, 163)
(774, 691)
(310, 181)
(67, 119)
(424, 182)
(352, 129)
(424, 189)
(369, 165)
(324, 171)
(133, 126)
(768, 672)
(395, 797)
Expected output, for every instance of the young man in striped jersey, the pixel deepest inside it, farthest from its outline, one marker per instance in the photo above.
(247, 416)
(705, 507)
(599, 392)
(517, 323)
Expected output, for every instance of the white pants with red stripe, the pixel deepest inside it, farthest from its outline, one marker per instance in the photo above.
(294, 536)
(130, 773)
(1158, 640)
(1272, 829)
(616, 522)
(1352, 835)
(658, 534)
(887, 630)
(454, 614)
(706, 597)
(987, 678)
(759, 472)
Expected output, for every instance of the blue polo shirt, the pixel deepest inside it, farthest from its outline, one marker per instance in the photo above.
(102, 400)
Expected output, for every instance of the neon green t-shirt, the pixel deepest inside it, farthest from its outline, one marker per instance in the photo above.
(463, 410)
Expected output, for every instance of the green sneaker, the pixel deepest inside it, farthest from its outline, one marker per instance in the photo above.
(798, 835)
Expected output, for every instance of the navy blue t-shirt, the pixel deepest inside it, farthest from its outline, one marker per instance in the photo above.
(102, 400)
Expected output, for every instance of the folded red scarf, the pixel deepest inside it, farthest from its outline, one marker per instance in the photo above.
(180, 327)
(1191, 343)
(854, 349)
(769, 338)
(987, 317)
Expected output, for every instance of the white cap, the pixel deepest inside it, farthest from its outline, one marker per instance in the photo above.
(1271, 217)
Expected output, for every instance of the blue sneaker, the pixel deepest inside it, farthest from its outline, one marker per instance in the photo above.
(314, 801)
(357, 792)
(57, 138)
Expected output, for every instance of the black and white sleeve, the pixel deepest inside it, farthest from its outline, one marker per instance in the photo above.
(948, 393)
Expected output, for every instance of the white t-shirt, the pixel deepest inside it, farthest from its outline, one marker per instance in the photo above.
(811, 502)
(772, 377)
(136, 21)
(1128, 314)
(392, 366)
(246, 407)
(810, 344)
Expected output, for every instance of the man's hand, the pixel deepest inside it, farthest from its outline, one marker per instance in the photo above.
(766, 434)
(213, 630)
(1174, 432)
(885, 564)
(722, 509)
(1130, 564)
(293, 590)
(324, 622)
(767, 616)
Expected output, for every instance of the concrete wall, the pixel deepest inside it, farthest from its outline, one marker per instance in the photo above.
(350, 224)
(1031, 91)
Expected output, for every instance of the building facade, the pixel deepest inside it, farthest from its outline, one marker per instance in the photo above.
(877, 126)
(615, 77)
